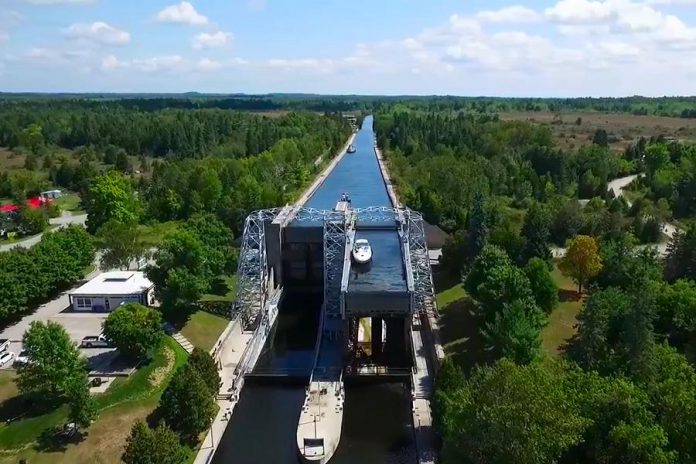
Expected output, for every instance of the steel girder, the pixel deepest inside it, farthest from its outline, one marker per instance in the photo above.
(336, 225)
(252, 269)
(423, 291)
(252, 274)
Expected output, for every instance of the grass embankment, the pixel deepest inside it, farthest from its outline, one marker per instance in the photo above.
(459, 325)
(223, 290)
(203, 329)
(126, 400)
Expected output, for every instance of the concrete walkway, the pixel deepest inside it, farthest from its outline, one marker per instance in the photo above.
(61, 221)
(228, 357)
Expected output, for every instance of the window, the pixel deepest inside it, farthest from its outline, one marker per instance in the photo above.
(83, 303)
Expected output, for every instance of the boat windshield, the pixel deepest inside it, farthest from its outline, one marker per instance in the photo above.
(361, 244)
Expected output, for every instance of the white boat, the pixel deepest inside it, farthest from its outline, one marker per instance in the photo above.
(362, 252)
(351, 149)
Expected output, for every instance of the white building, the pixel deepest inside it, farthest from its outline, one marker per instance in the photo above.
(109, 290)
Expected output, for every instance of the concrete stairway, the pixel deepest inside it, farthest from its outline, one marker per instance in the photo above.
(181, 340)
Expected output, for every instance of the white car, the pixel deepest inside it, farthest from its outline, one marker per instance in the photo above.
(21, 359)
(6, 357)
(95, 342)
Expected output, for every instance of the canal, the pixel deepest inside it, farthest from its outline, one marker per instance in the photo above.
(376, 421)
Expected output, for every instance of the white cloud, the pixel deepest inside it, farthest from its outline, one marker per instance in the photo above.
(160, 63)
(216, 39)
(314, 64)
(580, 11)
(110, 62)
(206, 64)
(99, 32)
(184, 13)
(510, 14)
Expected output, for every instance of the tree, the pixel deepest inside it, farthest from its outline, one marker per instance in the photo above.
(32, 137)
(187, 404)
(478, 227)
(536, 231)
(542, 285)
(623, 264)
(120, 244)
(515, 332)
(507, 413)
(183, 271)
(111, 196)
(490, 257)
(32, 221)
(55, 362)
(593, 346)
(681, 255)
(158, 446)
(134, 329)
(622, 427)
(582, 261)
(122, 163)
(205, 365)
(82, 408)
(600, 138)
(502, 284)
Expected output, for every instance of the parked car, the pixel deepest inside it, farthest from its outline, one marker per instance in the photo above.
(6, 357)
(94, 341)
(21, 359)
(4, 344)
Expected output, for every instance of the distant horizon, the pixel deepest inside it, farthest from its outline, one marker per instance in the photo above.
(334, 95)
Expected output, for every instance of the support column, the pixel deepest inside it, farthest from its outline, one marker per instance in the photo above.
(376, 337)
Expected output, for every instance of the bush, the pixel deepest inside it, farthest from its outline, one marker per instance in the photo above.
(134, 329)
(32, 221)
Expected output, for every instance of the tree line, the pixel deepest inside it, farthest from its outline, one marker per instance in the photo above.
(31, 276)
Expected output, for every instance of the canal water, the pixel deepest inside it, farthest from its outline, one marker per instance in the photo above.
(376, 421)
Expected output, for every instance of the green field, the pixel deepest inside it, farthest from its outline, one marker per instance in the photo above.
(28, 435)
(203, 329)
(70, 202)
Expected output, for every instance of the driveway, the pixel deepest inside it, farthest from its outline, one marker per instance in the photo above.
(60, 221)
(78, 325)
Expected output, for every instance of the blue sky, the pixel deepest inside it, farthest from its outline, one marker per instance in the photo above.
(462, 47)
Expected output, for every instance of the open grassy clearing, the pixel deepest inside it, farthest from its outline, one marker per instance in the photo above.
(153, 234)
(562, 320)
(125, 401)
(223, 290)
(69, 202)
(623, 127)
(203, 329)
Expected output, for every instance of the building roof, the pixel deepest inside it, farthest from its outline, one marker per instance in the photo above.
(115, 283)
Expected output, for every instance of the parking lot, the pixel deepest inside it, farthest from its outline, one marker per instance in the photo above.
(78, 326)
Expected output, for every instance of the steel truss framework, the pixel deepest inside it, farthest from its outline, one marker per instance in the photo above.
(252, 273)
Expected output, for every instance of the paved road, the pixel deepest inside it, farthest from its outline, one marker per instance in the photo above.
(617, 186)
(61, 221)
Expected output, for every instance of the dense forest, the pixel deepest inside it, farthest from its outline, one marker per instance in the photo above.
(623, 388)
(684, 107)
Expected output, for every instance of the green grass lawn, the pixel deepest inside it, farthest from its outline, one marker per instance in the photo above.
(223, 291)
(203, 329)
(562, 320)
(126, 400)
(69, 202)
(152, 235)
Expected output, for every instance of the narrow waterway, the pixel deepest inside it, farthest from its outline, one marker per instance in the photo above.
(376, 422)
